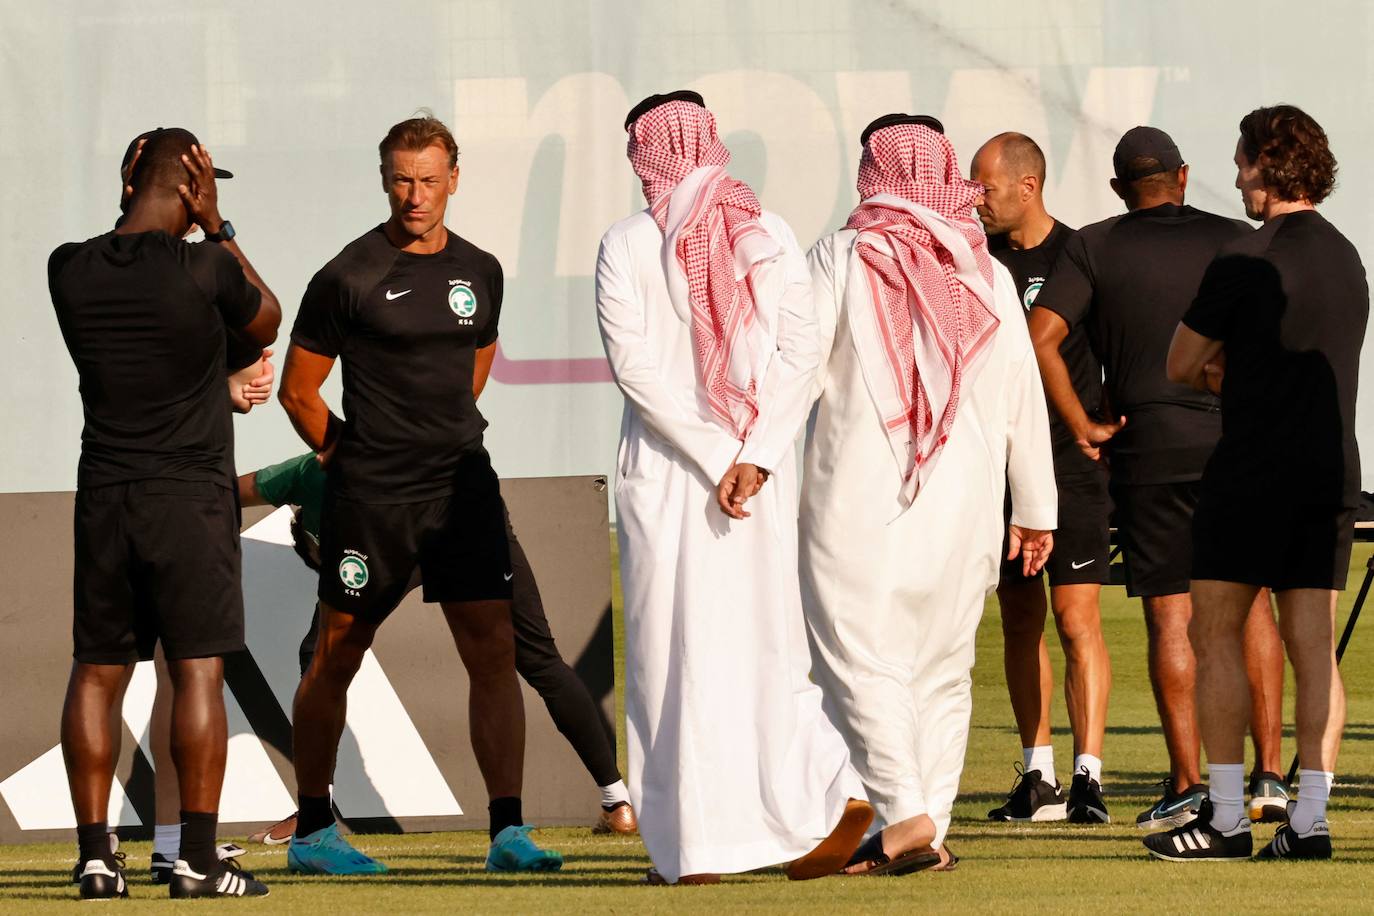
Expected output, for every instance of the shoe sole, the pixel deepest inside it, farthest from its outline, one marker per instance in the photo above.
(1168, 823)
(1044, 813)
(1269, 812)
(835, 851)
(1165, 857)
(1089, 815)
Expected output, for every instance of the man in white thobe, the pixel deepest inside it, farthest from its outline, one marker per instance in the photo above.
(705, 309)
(930, 403)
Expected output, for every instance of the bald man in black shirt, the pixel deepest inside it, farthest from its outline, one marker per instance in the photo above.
(1128, 280)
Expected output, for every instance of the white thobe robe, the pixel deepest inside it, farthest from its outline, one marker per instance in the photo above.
(733, 764)
(893, 598)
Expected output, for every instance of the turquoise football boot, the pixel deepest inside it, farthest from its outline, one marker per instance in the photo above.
(325, 852)
(513, 850)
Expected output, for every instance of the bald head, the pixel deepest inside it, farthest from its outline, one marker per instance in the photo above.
(1011, 167)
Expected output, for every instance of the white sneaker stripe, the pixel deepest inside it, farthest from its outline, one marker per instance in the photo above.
(1178, 844)
(1188, 841)
(1201, 838)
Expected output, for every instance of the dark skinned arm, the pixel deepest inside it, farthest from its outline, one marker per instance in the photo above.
(302, 377)
(1048, 331)
(1196, 360)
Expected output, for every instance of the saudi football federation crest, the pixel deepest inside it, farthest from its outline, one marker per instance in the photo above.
(353, 571)
(463, 301)
(1031, 292)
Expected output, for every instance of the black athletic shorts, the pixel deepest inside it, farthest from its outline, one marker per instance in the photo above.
(1279, 546)
(156, 560)
(370, 551)
(1082, 545)
(1154, 523)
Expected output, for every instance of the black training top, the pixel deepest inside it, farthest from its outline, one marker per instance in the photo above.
(1029, 267)
(407, 327)
(144, 318)
(1290, 302)
(1128, 280)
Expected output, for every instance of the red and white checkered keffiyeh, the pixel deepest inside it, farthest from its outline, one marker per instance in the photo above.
(714, 248)
(927, 313)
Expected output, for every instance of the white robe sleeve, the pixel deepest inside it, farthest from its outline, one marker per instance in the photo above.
(1030, 458)
(821, 261)
(787, 393)
(620, 315)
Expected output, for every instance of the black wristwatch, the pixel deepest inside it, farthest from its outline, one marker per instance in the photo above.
(224, 234)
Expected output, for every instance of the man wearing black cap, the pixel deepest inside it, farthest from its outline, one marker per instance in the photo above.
(1027, 240)
(1128, 280)
(144, 316)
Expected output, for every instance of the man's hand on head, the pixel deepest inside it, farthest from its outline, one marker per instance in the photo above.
(200, 194)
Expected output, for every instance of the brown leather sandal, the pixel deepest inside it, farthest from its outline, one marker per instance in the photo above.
(831, 854)
(878, 862)
(654, 879)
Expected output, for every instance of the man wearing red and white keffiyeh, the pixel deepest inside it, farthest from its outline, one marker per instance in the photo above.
(930, 404)
(704, 304)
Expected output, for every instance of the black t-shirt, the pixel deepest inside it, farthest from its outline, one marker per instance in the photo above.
(1029, 267)
(144, 317)
(407, 328)
(1128, 280)
(1290, 302)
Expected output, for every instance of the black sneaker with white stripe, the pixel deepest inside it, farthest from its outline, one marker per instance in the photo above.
(1085, 800)
(160, 869)
(1288, 844)
(226, 879)
(1031, 799)
(1199, 841)
(101, 880)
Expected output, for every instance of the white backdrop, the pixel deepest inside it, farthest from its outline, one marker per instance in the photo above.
(294, 96)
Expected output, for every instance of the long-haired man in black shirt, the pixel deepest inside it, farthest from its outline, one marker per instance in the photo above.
(411, 309)
(1128, 280)
(1276, 330)
(144, 316)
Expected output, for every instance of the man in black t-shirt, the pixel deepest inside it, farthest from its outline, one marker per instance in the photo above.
(1025, 238)
(144, 317)
(1278, 322)
(412, 311)
(1128, 280)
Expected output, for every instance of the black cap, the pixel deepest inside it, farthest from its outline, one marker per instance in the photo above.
(1145, 143)
(888, 120)
(149, 134)
(653, 101)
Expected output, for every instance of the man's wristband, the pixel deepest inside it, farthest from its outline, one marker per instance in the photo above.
(224, 233)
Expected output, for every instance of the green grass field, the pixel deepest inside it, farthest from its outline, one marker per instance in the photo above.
(1004, 869)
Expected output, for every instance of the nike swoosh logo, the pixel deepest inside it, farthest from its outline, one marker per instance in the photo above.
(509, 576)
(1175, 806)
(390, 295)
(1081, 565)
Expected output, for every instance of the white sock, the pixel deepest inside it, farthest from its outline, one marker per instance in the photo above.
(614, 794)
(1040, 758)
(167, 840)
(1226, 788)
(1092, 764)
(1314, 788)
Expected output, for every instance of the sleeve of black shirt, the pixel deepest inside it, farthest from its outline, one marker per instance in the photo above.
(1068, 291)
(498, 285)
(325, 316)
(221, 277)
(240, 353)
(1226, 284)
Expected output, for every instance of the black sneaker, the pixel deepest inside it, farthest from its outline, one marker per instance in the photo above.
(114, 851)
(1269, 797)
(1288, 844)
(1031, 799)
(1085, 800)
(160, 869)
(226, 879)
(1173, 810)
(100, 881)
(1199, 841)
